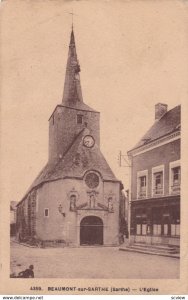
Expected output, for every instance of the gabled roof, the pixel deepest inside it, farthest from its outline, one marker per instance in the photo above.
(168, 123)
(81, 107)
(76, 161)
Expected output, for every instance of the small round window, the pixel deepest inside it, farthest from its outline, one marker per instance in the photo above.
(92, 180)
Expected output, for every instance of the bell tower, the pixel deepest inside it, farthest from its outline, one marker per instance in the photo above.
(71, 117)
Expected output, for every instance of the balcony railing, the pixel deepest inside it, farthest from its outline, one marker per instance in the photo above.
(175, 188)
(142, 194)
(157, 191)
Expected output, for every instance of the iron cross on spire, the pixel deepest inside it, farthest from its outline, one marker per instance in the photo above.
(72, 14)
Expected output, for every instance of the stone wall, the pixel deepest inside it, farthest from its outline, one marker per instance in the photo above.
(26, 217)
(64, 225)
(63, 128)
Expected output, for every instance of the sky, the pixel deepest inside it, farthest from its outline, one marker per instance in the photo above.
(133, 54)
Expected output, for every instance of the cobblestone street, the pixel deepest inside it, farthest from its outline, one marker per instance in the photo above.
(95, 262)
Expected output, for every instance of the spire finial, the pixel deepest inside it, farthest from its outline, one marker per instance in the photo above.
(72, 94)
(72, 14)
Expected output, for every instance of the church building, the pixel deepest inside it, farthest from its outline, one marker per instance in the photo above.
(75, 199)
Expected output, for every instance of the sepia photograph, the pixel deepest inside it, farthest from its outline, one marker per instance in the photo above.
(92, 93)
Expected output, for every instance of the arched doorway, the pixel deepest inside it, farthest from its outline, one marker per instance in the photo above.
(91, 231)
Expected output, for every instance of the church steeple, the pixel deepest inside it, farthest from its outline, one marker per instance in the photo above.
(73, 116)
(72, 94)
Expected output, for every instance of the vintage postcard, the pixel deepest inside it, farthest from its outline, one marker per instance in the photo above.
(94, 106)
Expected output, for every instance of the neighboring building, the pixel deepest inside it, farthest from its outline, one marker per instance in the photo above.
(155, 180)
(13, 217)
(75, 198)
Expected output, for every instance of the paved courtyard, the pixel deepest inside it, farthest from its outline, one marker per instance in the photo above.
(92, 262)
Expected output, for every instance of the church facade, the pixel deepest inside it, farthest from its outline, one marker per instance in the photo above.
(75, 199)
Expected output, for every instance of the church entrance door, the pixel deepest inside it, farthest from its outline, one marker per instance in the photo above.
(91, 231)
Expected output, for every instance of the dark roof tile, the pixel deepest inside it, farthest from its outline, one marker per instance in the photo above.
(169, 123)
(77, 160)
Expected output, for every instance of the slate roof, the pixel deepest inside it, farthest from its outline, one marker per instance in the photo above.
(80, 106)
(72, 94)
(76, 161)
(168, 123)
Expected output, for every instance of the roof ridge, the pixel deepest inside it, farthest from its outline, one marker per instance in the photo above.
(72, 143)
(168, 111)
(164, 126)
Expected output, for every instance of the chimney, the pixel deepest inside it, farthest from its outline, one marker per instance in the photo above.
(160, 110)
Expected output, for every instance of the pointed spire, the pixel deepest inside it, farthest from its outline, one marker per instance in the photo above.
(72, 39)
(72, 94)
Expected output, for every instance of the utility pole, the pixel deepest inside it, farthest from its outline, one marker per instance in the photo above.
(125, 161)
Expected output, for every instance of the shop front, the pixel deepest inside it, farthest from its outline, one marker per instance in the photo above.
(156, 221)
